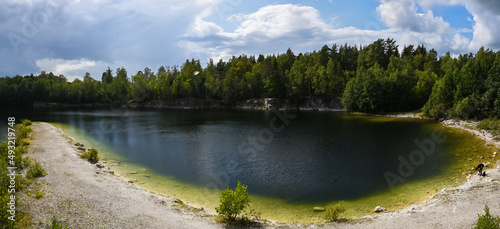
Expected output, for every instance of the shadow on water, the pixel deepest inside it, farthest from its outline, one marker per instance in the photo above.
(317, 158)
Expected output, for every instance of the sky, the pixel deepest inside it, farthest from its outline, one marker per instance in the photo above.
(73, 37)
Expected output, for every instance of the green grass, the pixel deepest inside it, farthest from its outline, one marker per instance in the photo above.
(91, 155)
(55, 224)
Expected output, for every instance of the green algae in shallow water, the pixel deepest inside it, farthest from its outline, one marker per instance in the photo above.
(464, 154)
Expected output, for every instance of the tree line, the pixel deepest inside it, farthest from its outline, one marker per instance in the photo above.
(374, 78)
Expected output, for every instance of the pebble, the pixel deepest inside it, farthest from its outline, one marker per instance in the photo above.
(379, 209)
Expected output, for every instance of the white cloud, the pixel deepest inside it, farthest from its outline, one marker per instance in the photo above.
(404, 16)
(66, 67)
(273, 29)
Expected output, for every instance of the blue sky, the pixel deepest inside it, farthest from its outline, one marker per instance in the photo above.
(77, 36)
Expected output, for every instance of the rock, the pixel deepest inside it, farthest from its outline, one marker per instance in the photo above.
(97, 172)
(379, 209)
(111, 172)
(495, 153)
(146, 175)
(439, 120)
(319, 209)
(98, 165)
(81, 148)
(132, 172)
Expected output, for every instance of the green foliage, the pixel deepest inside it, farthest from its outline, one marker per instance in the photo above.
(26, 122)
(492, 125)
(55, 224)
(374, 78)
(233, 202)
(333, 211)
(487, 221)
(91, 155)
(35, 170)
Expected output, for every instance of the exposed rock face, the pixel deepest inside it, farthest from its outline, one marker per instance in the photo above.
(313, 104)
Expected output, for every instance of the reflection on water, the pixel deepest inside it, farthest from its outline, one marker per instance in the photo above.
(317, 157)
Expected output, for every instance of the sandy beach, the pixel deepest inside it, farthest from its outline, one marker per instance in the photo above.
(83, 196)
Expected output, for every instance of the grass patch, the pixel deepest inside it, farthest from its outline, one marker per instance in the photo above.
(39, 194)
(55, 224)
(91, 155)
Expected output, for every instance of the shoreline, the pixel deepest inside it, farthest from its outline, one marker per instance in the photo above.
(363, 222)
(82, 197)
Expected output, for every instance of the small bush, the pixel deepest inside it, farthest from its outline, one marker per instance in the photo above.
(333, 211)
(232, 203)
(35, 170)
(22, 133)
(91, 155)
(26, 122)
(54, 224)
(487, 221)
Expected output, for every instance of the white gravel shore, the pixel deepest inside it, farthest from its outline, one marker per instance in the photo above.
(81, 198)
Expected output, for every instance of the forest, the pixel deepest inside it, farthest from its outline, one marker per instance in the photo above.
(375, 78)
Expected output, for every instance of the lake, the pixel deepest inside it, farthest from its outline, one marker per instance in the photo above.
(297, 159)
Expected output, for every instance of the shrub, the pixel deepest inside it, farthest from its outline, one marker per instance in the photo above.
(91, 155)
(26, 122)
(232, 203)
(487, 221)
(333, 211)
(35, 170)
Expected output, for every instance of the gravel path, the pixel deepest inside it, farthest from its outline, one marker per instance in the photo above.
(81, 198)
(84, 199)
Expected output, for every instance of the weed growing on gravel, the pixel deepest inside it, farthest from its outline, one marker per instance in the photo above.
(92, 155)
(54, 224)
(35, 170)
(487, 221)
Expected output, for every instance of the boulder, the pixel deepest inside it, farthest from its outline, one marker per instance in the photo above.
(379, 209)
(98, 165)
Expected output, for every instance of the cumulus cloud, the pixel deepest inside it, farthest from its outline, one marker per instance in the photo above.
(70, 68)
(404, 16)
(273, 29)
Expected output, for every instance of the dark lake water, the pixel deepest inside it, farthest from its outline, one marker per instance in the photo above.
(314, 157)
